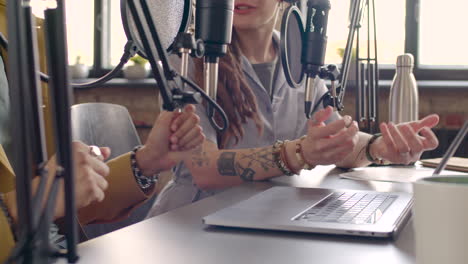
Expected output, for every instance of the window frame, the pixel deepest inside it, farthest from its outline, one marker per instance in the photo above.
(412, 41)
(102, 46)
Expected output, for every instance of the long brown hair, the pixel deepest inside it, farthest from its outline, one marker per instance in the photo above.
(234, 94)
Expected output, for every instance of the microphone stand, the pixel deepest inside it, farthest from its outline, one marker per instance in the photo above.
(313, 56)
(169, 82)
(367, 69)
(213, 23)
(156, 53)
(35, 217)
(367, 74)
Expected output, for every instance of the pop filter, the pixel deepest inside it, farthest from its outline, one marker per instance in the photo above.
(292, 39)
(171, 17)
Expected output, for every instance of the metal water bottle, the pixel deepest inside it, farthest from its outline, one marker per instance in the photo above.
(404, 92)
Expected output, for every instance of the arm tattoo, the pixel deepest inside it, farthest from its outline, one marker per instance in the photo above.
(246, 174)
(200, 158)
(263, 157)
(226, 166)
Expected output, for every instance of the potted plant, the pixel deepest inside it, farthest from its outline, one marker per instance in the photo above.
(79, 70)
(137, 70)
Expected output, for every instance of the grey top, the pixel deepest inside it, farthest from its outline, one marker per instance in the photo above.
(283, 118)
(265, 73)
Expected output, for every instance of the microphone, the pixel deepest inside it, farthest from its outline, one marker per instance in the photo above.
(315, 45)
(213, 25)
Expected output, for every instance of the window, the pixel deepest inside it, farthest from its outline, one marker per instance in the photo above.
(442, 35)
(79, 31)
(390, 18)
(117, 38)
(439, 45)
(80, 28)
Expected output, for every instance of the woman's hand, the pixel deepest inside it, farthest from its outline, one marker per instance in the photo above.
(172, 138)
(404, 143)
(329, 144)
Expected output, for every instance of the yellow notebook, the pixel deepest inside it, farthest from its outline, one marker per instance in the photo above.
(454, 163)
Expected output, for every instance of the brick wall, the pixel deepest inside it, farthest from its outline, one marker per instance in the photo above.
(142, 103)
(450, 104)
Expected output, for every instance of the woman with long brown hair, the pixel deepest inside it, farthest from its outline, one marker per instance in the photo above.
(269, 135)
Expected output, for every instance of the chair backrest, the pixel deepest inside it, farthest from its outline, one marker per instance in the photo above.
(108, 125)
(103, 124)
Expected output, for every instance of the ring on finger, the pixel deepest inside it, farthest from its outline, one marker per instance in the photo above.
(95, 151)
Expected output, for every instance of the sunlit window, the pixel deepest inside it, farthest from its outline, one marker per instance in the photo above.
(80, 31)
(117, 36)
(390, 16)
(443, 38)
(80, 28)
(442, 42)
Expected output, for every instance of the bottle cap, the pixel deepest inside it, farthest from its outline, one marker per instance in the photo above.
(405, 60)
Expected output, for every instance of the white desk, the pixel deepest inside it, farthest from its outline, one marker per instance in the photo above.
(181, 237)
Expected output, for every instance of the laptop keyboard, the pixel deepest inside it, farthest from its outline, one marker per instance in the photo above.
(349, 207)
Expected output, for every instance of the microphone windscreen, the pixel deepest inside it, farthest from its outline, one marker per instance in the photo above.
(168, 16)
(292, 34)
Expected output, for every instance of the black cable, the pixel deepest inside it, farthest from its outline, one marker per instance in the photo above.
(211, 103)
(319, 102)
(129, 51)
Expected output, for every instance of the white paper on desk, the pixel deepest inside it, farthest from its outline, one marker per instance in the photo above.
(393, 174)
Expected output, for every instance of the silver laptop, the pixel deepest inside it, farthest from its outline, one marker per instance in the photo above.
(315, 210)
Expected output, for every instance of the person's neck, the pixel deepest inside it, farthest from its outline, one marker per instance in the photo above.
(257, 44)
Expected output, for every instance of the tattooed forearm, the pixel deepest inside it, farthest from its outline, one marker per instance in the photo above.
(226, 164)
(246, 174)
(262, 157)
(200, 158)
(247, 163)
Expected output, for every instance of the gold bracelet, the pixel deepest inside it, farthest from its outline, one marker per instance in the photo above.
(284, 157)
(300, 155)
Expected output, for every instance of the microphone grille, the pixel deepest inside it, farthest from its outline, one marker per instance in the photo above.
(168, 16)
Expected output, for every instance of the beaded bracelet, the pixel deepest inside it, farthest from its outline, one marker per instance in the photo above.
(143, 181)
(277, 149)
(7, 214)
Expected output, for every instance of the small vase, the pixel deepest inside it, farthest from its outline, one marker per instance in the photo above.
(79, 71)
(135, 72)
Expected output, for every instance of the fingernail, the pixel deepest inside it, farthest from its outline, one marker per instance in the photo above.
(348, 121)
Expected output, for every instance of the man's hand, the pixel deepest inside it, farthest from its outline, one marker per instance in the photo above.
(404, 143)
(172, 138)
(90, 174)
(329, 144)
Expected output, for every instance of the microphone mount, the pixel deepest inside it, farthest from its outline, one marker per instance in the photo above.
(367, 73)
